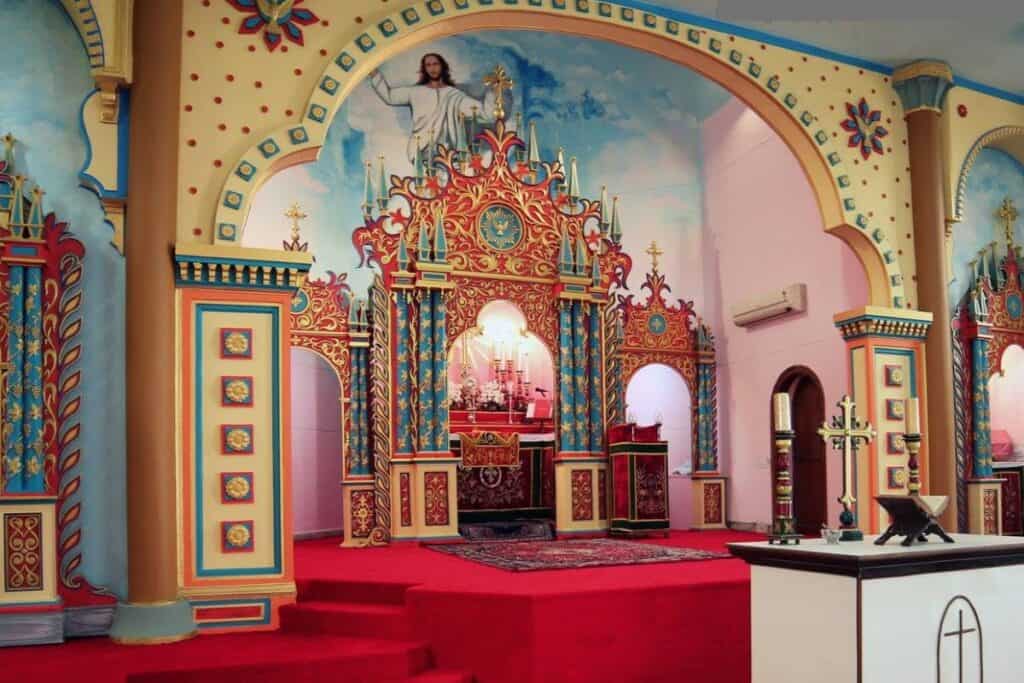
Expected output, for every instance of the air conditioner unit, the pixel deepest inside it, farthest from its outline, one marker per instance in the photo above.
(792, 299)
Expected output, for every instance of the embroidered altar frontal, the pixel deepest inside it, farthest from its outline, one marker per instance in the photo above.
(501, 477)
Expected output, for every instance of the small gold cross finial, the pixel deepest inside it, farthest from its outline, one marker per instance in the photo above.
(1007, 213)
(498, 81)
(296, 214)
(655, 253)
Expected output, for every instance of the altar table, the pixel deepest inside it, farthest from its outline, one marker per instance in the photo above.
(861, 613)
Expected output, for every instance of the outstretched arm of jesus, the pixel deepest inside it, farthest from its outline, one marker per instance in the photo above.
(393, 96)
(484, 110)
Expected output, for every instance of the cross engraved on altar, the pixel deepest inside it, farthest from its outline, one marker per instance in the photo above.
(846, 432)
(958, 643)
(499, 81)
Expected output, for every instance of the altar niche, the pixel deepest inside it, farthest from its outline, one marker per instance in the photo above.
(501, 382)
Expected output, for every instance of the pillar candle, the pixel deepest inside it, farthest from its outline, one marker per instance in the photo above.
(913, 417)
(781, 412)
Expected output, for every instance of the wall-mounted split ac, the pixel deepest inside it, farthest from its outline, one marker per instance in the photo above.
(792, 299)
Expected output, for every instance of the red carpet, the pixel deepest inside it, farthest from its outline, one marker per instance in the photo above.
(395, 614)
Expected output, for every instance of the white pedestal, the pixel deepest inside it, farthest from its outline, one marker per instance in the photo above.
(861, 613)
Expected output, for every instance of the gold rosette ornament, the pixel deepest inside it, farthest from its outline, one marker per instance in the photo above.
(238, 536)
(238, 439)
(237, 391)
(236, 343)
(237, 488)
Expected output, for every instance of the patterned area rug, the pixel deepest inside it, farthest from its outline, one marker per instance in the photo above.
(525, 556)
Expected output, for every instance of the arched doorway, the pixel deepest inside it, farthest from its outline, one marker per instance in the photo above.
(810, 499)
(316, 446)
(657, 393)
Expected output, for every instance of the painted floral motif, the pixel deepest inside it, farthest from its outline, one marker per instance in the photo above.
(274, 18)
(713, 503)
(238, 487)
(238, 439)
(23, 568)
(435, 498)
(862, 125)
(237, 390)
(236, 343)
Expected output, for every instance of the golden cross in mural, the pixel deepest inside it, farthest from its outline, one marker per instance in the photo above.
(1007, 213)
(499, 81)
(295, 213)
(655, 253)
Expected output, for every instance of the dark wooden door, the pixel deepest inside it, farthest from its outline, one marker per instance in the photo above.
(809, 471)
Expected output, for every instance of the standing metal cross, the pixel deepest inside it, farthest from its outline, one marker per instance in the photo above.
(1007, 213)
(846, 432)
(499, 81)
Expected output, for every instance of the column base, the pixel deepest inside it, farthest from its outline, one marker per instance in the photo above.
(708, 500)
(985, 506)
(153, 624)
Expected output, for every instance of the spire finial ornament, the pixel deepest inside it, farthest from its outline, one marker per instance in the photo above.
(654, 253)
(498, 81)
(295, 214)
(1007, 213)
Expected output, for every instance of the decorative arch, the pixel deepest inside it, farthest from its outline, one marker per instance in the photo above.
(1009, 139)
(697, 48)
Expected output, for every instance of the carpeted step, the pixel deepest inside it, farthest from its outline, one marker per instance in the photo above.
(331, 590)
(442, 676)
(388, 622)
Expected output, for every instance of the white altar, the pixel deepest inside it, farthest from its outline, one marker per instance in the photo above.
(862, 613)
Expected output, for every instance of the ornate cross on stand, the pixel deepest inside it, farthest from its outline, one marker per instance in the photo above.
(655, 253)
(1007, 213)
(498, 81)
(296, 214)
(846, 431)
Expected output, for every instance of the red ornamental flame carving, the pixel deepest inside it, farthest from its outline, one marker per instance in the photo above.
(462, 197)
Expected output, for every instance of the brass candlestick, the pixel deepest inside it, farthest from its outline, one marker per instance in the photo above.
(913, 442)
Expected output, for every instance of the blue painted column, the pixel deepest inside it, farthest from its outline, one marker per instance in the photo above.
(32, 437)
(567, 390)
(596, 385)
(14, 465)
(404, 379)
(440, 372)
(707, 460)
(425, 374)
(579, 376)
(982, 421)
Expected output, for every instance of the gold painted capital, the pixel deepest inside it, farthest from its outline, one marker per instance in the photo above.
(922, 68)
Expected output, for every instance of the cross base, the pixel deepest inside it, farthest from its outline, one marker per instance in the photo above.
(851, 535)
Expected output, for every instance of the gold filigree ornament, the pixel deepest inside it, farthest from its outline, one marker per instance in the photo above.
(238, 536)
(237, 488)
(238, 439)
(237, 391)
(236, 343)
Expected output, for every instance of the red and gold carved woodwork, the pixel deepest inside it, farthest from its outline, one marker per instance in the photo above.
(23, 551)
(582, 495)
(319, 322)
(405, 498)
(489, 449)
(435, 498)
(471, 294)
(362, 516)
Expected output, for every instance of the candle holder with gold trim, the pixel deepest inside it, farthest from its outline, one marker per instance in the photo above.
(913, 443)
(783, 522)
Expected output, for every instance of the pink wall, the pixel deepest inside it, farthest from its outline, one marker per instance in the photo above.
(764, 231)
(1006, 395)
(316, 444)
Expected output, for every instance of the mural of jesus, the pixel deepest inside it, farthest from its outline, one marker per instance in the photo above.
(436, 104)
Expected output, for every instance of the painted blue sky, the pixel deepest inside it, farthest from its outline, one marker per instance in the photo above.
(630, 118)
(995, 175)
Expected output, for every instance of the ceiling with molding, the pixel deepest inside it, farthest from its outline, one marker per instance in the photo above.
(988, 48)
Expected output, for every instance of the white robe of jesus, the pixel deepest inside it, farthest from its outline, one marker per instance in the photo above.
(435, 111)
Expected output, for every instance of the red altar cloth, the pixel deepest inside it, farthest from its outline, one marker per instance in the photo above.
(634, 433)
(496, 421)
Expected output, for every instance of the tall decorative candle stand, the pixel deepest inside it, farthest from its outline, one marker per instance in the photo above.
(912, 438)
(783, 522)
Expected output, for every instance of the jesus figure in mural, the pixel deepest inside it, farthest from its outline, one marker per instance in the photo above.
(436, 104)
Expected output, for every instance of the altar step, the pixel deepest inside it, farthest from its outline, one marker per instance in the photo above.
(367, 610)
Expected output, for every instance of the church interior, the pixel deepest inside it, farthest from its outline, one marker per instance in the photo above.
(510, 341)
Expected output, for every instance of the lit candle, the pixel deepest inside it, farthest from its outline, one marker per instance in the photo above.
(781, 412)
(526, 367)
(913, 417)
